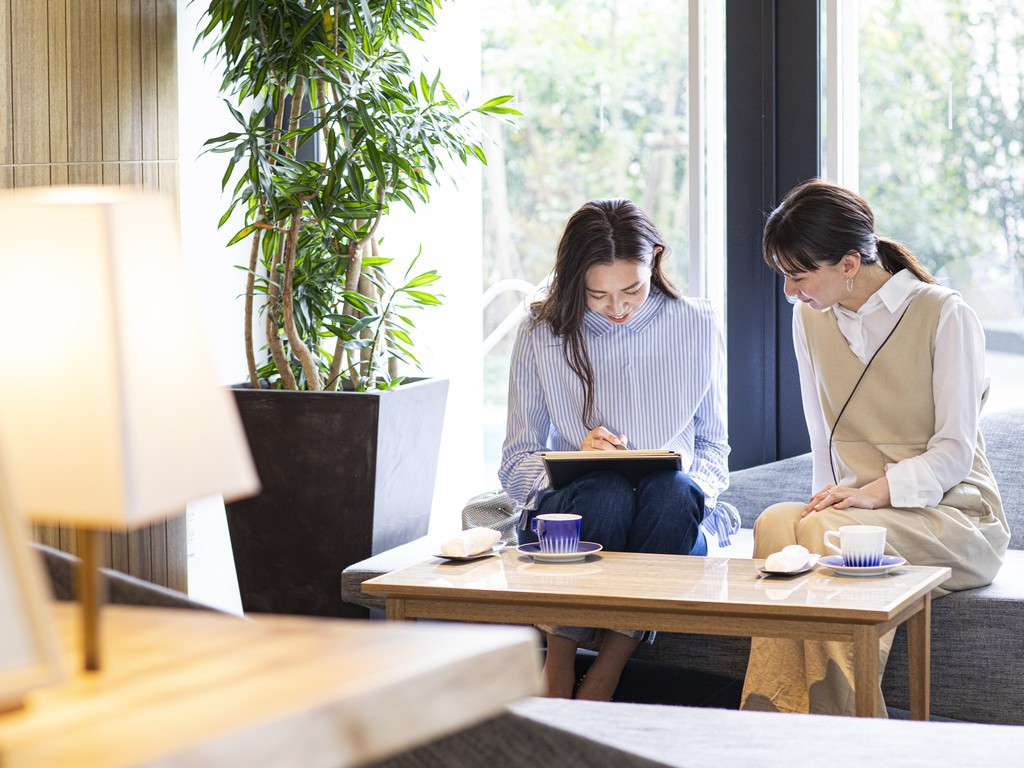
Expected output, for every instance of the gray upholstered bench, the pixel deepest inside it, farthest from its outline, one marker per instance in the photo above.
(587, 734)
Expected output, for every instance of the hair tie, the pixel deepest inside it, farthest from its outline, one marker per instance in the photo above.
(874, 256)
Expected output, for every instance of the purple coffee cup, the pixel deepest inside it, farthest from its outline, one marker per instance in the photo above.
(558, 534)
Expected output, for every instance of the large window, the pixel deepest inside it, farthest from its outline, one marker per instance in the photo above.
(606, 89)
(940, 152)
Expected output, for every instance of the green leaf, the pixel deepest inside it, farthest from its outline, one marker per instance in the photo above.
(242, 234)
(401, 335)
(497, 101)
(425, 279)
(425, 298)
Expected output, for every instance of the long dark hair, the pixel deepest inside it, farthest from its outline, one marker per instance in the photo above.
(819, 222)
(600, 232)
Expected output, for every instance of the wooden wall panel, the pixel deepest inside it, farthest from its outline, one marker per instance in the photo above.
(89, 95)
(57, 50)
(167, 82)
(169, 177)
(119, 559)
(111, 48)
(46, 534)
(6, 99)
(149, 103)
(176, 551)
(140, 550)
(129, 91)
(30, 113)
(84, 108)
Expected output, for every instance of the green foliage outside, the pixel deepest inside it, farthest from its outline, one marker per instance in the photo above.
(603, 89)
(942, 139)
(602, 86)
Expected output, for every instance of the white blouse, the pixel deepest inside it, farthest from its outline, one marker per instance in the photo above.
(958, 384)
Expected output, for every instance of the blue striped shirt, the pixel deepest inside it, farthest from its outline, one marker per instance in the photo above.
(658, 379)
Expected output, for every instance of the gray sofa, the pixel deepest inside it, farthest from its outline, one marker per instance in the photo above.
(118, 588)
(588, 734)
(977, 635)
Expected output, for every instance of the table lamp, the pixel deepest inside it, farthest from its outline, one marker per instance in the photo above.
(110, 412)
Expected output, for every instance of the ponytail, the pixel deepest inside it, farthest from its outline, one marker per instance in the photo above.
(895, 256)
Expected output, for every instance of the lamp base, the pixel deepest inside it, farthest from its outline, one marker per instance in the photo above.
(89, 596)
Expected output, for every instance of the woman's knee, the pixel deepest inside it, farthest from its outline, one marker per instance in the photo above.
(811, 530)
(669, 482)
(785, 515)
(674, 493)
(776, 527)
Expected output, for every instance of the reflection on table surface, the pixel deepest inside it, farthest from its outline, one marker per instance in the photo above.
(661, 578)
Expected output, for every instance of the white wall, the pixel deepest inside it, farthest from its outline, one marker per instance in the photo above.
(450, 232)
(218, 282)
(211, 572)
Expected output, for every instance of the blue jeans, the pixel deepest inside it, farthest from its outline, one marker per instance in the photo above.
(662, 515)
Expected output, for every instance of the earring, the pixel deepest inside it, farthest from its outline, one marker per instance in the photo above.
(849, 285)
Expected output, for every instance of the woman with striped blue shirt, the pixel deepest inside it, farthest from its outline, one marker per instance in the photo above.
(615, 357)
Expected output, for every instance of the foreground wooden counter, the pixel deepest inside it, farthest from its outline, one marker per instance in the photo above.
(192, 688)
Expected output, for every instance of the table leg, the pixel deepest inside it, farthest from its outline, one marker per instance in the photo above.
(865, 669)
(394, 609)
(919, 659)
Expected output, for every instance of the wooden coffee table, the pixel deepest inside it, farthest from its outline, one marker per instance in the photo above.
(676, 593)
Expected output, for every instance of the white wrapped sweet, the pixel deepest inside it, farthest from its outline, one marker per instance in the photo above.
(791, 558)
(471, 541)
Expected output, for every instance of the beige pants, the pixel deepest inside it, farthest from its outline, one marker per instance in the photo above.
(817, 676)
(806, 676)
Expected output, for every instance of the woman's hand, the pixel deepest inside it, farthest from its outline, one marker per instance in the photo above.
(600, 439)
(872, 496)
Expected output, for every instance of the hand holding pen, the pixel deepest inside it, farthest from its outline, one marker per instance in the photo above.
(601, 439)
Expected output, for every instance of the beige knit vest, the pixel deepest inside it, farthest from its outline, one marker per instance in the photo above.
(891, 415)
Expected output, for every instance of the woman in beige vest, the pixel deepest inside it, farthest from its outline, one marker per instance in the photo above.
(892, 375)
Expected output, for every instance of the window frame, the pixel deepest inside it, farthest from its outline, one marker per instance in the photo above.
(773, 124)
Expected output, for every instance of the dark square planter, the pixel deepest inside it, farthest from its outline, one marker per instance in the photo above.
(345, 475)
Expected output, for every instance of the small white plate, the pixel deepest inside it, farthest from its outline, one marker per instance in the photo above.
(479, 556)
(889, 563)
(810, 564)
(585, 548)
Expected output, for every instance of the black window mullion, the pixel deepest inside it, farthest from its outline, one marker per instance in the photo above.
(773, 128)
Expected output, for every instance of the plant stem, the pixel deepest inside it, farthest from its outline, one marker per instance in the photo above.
(273, 339)
(250, 287)
(298, 346)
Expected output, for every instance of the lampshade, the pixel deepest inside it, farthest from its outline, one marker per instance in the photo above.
(110, 412)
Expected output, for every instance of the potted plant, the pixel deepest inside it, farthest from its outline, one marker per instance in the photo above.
(335, 128)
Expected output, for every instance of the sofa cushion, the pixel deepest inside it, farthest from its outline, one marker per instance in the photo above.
(752, 490)
(1003, 432)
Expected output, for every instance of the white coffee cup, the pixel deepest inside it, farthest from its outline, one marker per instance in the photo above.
(861, 546)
